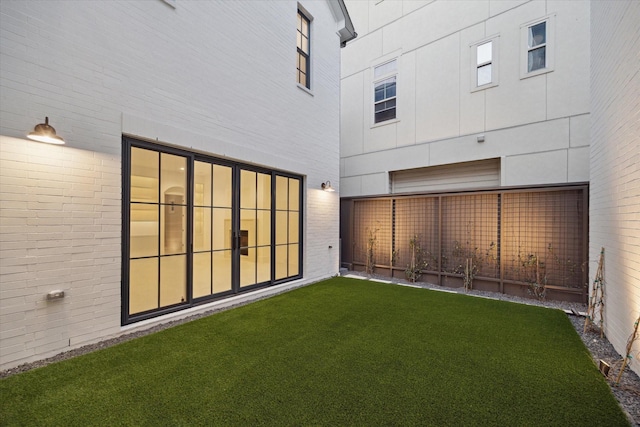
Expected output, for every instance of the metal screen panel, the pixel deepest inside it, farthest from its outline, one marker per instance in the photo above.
(373, 219)
(416, 218)
(520, 236)
(542, 237)
(470, 231)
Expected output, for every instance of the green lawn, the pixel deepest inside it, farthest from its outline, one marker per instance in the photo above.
(340, 352)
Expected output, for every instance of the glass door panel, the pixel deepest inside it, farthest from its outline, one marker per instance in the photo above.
(247, 189)
(294, 256)
(247, 266)
(198, 229)
(202, 184)
(144, 230)
(222, 280)
(145, 175)
(294, 220)
(294, 194)
(222, 229)
(287, 227)
(282, 193)
(201, 229)
(157, 230)
(173, 280)
(263, 228)
(263, 192)
(282, 225)
(263, 264)
(222, 226)
(255, 228)
(212, 258)
(143, 285)
(202, 274)
(281, 262)
(223, 191)
(173, 233)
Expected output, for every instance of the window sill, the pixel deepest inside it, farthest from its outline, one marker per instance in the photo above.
(536, 73)
(386, 122)
(484, 87)
(305, 89)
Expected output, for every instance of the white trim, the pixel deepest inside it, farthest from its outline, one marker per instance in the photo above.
(550, 46)
(375, 80)
(495, 63)
(305, 89)
(387, 122)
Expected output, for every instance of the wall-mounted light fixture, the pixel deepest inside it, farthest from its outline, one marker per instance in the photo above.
(326, 186)
(480, 138)
(57, 294)
(45, 133)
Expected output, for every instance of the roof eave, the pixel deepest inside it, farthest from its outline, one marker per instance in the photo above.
(345, 25)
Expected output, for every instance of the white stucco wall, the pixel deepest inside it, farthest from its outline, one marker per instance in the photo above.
(538, 125)
(216, 77)
(614, 213)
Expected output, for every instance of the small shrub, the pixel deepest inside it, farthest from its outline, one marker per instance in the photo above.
(418, 263)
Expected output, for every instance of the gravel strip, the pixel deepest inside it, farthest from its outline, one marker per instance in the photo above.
(627, 392)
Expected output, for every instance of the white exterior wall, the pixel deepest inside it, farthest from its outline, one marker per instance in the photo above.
(216, 77)
(538, 126)
(615, 165)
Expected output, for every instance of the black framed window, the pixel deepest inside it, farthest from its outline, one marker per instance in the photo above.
(197, 228)
(304, 50)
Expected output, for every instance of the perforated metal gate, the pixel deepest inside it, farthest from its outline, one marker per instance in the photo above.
(510, 238)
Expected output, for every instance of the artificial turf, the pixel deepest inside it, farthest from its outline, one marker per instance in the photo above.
(339, 352)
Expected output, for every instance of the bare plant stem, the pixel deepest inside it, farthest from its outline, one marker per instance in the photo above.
(630, 341)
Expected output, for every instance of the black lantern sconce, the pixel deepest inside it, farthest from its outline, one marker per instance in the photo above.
(326, 186)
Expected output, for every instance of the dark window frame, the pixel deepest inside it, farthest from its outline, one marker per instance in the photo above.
(192, 157)
(302, 55)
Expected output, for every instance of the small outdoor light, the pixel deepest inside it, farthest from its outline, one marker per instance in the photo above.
(480, 138)
(326, 186)
(45, 133)
(57, 294)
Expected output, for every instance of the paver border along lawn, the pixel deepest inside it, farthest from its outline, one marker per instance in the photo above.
(339, 352)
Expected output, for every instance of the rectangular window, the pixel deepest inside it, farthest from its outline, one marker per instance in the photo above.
(483, 63)
(536, 47)
(304, 50)
(537, 41)
(197, 228)
(157, 239)
(384, 91)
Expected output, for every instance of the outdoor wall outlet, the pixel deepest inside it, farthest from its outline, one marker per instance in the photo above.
(57, 294)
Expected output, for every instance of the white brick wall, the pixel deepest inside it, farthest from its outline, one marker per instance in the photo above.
(217, 77)
(60, 229)
(615, 164)
(525, 121)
